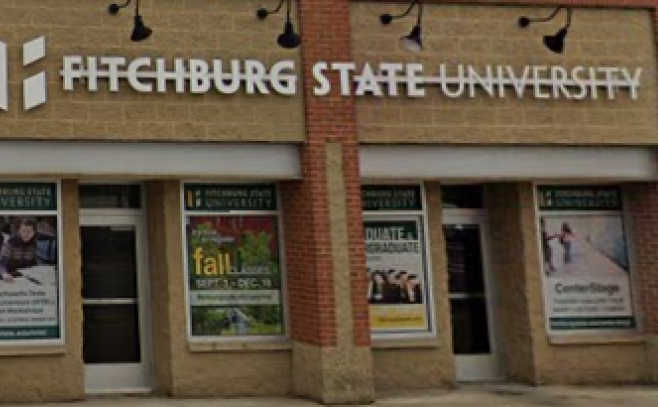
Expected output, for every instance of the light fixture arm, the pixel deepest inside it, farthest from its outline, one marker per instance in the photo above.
(525, 21)
(420, 13)
(114, 8)
(288, 11)
(136, 7)
(262, 12)
(386, 19)
(406, 13)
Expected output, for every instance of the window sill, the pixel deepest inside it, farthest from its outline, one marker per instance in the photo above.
(420, 343)
(597, 339)
(20, 350)
(255, 346)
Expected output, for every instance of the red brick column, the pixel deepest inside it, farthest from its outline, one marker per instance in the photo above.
(325, 253)
(643, 205)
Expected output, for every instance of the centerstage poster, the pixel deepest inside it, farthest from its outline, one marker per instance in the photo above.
(397, 291)
(587, 285)
(30, 283)
(234, 274)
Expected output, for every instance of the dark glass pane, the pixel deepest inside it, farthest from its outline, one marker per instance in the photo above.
(110, 196)
(462, 197)
(109, 262)
(470, 332)
(111, 334)
(464, 258)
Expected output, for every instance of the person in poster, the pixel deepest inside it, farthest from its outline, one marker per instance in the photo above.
(19, 251)
(379, 289)
(576, 245)
(394, 287)
(547, 250)
(33, 244)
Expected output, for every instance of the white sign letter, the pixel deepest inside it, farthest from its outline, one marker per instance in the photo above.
(324, 85)
(282, 82)
(344, 69)
(133, 75)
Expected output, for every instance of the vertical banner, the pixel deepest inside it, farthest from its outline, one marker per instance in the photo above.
(30, 281)
(586, 270)
(395, 257)
(234, 279)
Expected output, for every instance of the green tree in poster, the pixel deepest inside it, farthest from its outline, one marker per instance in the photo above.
(255, 249)
(209, 321)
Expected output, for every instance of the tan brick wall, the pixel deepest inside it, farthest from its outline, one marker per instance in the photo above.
(516, 311)
(41, 374)
(652, 359)
(207, 29)
(159, 249)
(528, 354)
(592, 363)
(428, 363)
(481, 35)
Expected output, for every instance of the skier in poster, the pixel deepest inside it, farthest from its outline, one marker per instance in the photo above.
(546, 238)
(566, 240)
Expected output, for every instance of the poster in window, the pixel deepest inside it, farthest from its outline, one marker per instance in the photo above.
(587, 286)
(234, 276)
(397, 290)
(30, 281)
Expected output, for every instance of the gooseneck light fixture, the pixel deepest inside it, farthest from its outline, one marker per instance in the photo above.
(555, 42)
(140, 31)
(288, 39)
(414, 41)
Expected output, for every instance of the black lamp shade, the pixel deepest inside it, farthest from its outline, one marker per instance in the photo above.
(289, 39)
(414, 41)
(555, 42)
(140, 31)
(386, 19)
(113, 8)
(524, 22)
(262, 13)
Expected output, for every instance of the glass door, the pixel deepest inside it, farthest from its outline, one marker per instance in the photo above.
(114, 291)
(470, 302)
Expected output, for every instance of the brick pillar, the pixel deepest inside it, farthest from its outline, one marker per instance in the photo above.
(643, 206)
(325, 251)
(514, 254)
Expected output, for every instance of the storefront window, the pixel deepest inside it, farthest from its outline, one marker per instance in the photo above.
(398, 292)
(586, 271)
(234, 278)
(31, 301)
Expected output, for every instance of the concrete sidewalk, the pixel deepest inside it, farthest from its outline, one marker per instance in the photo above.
(464, 396)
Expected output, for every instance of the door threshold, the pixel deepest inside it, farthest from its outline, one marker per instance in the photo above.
(476, 382)
(132, 391)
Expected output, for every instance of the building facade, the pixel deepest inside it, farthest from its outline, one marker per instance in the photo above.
(206, 213)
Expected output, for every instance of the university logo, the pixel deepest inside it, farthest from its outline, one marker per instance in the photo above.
(34, 87)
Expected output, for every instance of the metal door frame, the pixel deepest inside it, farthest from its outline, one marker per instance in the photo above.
(475, 367)
(100, 378)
